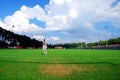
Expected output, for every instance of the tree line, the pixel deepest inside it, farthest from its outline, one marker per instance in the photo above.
(115, 42)
(9, 39)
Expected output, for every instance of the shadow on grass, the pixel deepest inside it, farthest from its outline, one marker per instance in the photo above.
(50, 62)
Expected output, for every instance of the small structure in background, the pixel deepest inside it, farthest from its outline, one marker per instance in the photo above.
(58, 47)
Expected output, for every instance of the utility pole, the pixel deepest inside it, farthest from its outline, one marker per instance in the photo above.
(13, 28)
(106, 37)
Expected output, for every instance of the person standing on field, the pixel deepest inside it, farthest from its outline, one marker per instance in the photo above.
(44, 47)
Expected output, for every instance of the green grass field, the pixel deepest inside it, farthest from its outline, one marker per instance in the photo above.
(66, 64)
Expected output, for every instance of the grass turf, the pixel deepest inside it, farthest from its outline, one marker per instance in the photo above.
(30, 64)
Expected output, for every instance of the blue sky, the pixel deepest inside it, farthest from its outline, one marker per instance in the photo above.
(8, 7)
(62, 21)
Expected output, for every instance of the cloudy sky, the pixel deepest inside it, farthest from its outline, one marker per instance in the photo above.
(62, 21)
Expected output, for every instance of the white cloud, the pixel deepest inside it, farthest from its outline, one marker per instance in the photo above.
(57, 23)
(38, 37)
(21, 21)
(81, 15)
(54, 38)
(58, 2)
(76, 18)
(73, 13)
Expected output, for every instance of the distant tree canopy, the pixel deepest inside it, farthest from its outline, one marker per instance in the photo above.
(114, 41)
(69, 45)
(108, 42)
(8, 38)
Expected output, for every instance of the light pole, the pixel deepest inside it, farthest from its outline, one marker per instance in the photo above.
(13, 28)
(106, 37)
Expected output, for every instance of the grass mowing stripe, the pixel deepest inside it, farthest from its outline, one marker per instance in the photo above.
(53, 58)
(44, 62)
